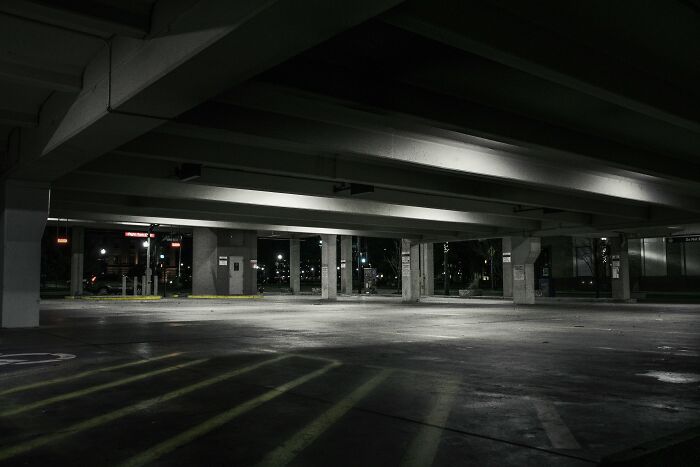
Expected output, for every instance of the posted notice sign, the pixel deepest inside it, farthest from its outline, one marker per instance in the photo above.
(519, 272)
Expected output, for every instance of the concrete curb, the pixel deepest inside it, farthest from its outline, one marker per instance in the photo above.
(224, 297)
(115, 298)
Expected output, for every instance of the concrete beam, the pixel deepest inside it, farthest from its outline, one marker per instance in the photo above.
(42, 77)
(268, 218)
(216, 149)
(141, 186)
(389, 144)
(420, 102)
(520, 44)
(17, 118)
(128, 19)
(135, 85)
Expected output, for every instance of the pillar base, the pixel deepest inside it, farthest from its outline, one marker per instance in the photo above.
(24, 208)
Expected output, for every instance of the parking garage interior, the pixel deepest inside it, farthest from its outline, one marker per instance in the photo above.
(349, 233)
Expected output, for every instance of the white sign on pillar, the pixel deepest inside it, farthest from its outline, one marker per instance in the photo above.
(519, 272)
(406, 263)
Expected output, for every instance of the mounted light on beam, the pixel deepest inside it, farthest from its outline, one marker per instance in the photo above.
(62, 240)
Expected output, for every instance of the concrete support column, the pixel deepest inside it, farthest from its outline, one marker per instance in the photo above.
(427, 269)
(620, 268)
(295, 265)
(223, 261)
(77, 260)
(524, 253)
(329, 273)
(23, 212)
(346, 264)
(507, 267)
(410, 272)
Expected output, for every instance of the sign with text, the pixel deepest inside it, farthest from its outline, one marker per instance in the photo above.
(406, 264)
(223, 260)
(138, 234)
(519, 272)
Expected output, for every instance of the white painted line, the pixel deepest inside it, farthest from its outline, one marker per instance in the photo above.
(425, 445)
(557, 431)
(285, 453)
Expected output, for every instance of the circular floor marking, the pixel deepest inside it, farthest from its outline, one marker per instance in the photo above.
(33, 358)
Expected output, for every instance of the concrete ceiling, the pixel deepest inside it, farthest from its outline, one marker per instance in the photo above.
(469, 119)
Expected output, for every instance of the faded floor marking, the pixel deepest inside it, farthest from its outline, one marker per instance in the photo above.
(21, 448)
(151, 455)
(425, 445)
(557, 431)
(302, 439)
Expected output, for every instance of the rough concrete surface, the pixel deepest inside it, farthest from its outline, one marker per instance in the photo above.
(362, 381)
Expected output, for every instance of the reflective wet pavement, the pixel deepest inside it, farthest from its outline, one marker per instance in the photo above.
(364, 381)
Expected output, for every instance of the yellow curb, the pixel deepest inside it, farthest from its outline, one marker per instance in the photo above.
(128, 297)
(226, 296)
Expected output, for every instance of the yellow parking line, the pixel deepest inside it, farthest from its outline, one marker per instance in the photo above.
(302, 439)
(124, 411)
(225, 297)
(99, 387)
(169, 445)
(424, 447)
(84, 374)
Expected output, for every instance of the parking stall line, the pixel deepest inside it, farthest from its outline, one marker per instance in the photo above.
(186, 437)
(424, 446)
(557, 431)
(99, 387)
(84, 374)
(302, 439)
(27, 446)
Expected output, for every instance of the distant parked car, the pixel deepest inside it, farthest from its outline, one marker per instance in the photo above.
(108, 284)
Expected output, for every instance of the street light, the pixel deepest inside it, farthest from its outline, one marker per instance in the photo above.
(103, 251)
(279, 257)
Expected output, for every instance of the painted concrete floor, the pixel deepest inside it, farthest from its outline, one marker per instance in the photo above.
(360, 382)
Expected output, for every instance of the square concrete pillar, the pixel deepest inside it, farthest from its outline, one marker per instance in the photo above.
(410, 270)
(619, 268)
(524, 253)
(507, 268)
(295, 265)
(77, 260)
(427, 269)
(23, 211)
(223, 261)
(346, 264)
(204, 261)
(329, 273)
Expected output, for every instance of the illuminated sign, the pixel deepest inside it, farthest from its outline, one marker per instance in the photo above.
(62, 240)
(138, 234)
(175, 244)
